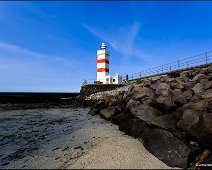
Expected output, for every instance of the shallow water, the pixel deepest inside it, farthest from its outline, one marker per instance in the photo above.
(24, 132)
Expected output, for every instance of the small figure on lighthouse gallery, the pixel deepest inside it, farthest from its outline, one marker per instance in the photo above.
(103, 76)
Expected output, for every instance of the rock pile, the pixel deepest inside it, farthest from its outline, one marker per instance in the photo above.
(170, 115)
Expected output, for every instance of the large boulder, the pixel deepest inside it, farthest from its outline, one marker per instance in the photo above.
(167, 121)
(128, 123)
(177, 84)
(145, 113)
(97, 107)
(108, 112)
(165, 147)
(197, 122)
(165, 103)
(143, 92)
(205, 130)
(119, 104)
(196, 77)
(189, 85)
(178, 97)
(208, 85)
(190, 120)
(184, 76)
(207, 95)
(199, 106)
(162, 88)
(155, 85)
(131, 104)
(188, 94)
(198, 88)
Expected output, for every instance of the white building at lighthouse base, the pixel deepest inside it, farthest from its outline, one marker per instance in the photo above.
(117, 79)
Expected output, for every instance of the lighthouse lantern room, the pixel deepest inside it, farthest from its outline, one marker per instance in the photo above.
(103, 67)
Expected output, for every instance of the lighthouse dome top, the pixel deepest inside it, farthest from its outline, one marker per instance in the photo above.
(103, 46)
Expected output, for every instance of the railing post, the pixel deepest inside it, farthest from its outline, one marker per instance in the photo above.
(140, 74)
(162, 69)
(127, 77)
(170, 68)
(178, 62)
(187, 64)
(206, 58)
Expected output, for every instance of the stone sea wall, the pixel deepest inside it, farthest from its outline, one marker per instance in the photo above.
(89, 89)
(170, 114)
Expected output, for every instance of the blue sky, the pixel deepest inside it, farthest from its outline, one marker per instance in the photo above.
(51, 46)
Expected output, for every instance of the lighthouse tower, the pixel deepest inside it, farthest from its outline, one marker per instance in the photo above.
(102, 64)
(102, 60)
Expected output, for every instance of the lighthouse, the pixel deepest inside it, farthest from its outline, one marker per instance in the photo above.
(102, 60)
(102, 63)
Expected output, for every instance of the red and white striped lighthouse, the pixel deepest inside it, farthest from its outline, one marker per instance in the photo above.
(103, 64)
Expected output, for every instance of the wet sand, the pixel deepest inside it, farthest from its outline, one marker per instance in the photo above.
(67, 138)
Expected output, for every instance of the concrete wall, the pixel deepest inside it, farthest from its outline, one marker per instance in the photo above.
(89, 89)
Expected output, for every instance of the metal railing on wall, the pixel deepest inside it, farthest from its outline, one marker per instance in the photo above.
(204, 58)
(88, 81)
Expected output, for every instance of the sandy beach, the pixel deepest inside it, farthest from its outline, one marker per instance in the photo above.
(68, 139)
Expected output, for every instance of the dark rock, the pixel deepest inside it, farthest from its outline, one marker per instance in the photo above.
(128, 123)
(190, 120)
(165, 147)
(108, 112)
(120, 104)
(147, 83)
(184, 76)
(95, 109)
(198, 106)
(143, 92)
(204, 134)
(166, 103)
(176, 84)
(121, 118)
(198, 88)
(189, 85)
(203, 81)
(188, 94)
(174, 74)
(162, 88)
(178, 97)
(207, 95)
(208, 161)
(209, 110)
(208, 85)
(197, 123)
(196, 98)
(147, 101)
(145, 113)
(167, 122)
(155, 85)
(194, 153)
(131, 104)
(164, 78)
(196, 77)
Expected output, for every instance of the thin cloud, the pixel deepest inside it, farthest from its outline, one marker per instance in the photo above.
(29, 53)
(123, 41)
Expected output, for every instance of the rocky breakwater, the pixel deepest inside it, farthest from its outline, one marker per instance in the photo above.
(170, 115)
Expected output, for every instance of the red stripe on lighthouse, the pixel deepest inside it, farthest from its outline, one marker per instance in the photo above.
(103, 61)
(102, 70)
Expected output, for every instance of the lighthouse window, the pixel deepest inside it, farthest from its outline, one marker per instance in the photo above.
(114, 80)
(107, 79)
